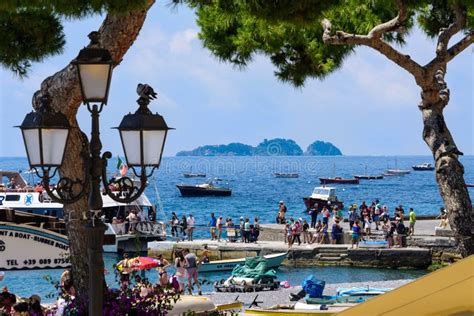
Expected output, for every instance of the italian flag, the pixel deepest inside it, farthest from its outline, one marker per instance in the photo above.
(122, 166)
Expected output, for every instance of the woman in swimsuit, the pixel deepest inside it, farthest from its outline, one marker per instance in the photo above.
(161, 269)
(181, 274)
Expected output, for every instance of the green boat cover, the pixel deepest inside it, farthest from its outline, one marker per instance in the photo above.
(256, 268)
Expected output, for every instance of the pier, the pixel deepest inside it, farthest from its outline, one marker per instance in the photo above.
(423, 249)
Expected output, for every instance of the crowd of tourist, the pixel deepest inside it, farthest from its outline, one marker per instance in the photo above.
(326, 224)
(219, 228)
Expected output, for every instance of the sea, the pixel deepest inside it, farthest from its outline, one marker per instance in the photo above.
(256, 192)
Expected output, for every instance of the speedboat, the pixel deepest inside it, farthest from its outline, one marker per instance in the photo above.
(274, 260)
(286, 175)
(369, 177)
(426, 166)
(322, 196)
(208, 188)
(396, 172)
(194, 175)
(35, 200)
(339, 180)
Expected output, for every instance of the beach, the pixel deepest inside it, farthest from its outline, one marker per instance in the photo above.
(281, 296)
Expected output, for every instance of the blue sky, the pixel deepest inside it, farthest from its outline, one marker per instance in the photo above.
(369, 107)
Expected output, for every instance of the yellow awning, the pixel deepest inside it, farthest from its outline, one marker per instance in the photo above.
(447, 291)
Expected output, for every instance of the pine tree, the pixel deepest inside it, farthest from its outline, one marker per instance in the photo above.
(311, 38)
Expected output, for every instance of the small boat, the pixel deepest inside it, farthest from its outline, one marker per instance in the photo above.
(194, 175)
(339, 180)
(426, 166)
(470, 185)
(201, 305)
(396, 172)
(208, 188)
(286, 175)
(369, 177)
(366, 176)
(322, 196)
(273, 261)
(299, 309)
(351, 295)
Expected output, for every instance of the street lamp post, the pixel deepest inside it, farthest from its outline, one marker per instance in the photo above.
(143, 135)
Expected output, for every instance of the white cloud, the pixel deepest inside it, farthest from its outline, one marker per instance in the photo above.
(181, 41)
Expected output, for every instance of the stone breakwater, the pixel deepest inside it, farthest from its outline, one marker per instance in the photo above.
(423, 249)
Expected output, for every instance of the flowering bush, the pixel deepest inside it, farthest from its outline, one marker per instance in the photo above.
(143, 299)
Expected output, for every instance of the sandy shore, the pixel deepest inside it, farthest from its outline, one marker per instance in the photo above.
(281, 296)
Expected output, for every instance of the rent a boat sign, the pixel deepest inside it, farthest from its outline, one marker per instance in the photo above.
(29, 247)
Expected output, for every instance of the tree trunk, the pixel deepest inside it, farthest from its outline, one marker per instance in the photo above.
(117, 35)
(449, 170)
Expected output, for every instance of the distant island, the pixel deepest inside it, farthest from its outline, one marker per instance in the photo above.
(268, 147)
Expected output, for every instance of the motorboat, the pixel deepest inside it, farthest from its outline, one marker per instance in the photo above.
(274, 260)
(209, 188)
(286, 175)
(426, 166)
(322, 196)
(194, 175)
(17, 194)
(369, 177)
(338, 180)
(396, 172)
(366, 176)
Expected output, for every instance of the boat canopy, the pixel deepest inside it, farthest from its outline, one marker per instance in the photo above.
(324, 193)
(7, 175)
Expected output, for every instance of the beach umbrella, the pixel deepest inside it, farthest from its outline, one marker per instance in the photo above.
(139, 263)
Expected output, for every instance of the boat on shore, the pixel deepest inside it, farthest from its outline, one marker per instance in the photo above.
(274, 260)
(338, 180)
(322, 196)
(286, 175)
(426, 166)
(209, 188)
(35, 201)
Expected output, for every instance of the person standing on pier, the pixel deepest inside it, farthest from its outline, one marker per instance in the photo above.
(190, 223)
(355, 234)
(326, 215)
(174, 224)
(219, 226)
(411, 221)
(183, 226)
(247, 230)
(213, 224)
(352, 216)
(192, 271)
(281, 218)
(256, 230)
(314, 215)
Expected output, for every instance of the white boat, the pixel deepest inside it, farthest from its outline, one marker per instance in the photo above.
(273, 261)
(396, 172)
(426, 166)
(286, 175)
(21, 196)
(29, 241)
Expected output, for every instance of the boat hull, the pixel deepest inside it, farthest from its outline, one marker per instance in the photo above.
(28, 247)
(194, 191)
(423, 168)
(338, 181)
(273, 262)
(194, 175)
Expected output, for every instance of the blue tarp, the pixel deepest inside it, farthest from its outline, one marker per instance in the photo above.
(313, 287)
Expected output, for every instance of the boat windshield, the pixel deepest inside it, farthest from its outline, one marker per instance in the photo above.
(324, 191)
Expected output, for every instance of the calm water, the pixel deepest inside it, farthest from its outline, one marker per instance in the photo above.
(256, 192)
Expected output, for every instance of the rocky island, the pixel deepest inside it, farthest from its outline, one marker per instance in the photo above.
(268, 147)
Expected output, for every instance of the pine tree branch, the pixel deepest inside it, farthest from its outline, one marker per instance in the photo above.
(392, 25)
(377, 43)
(457, 48)
(446, 34)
